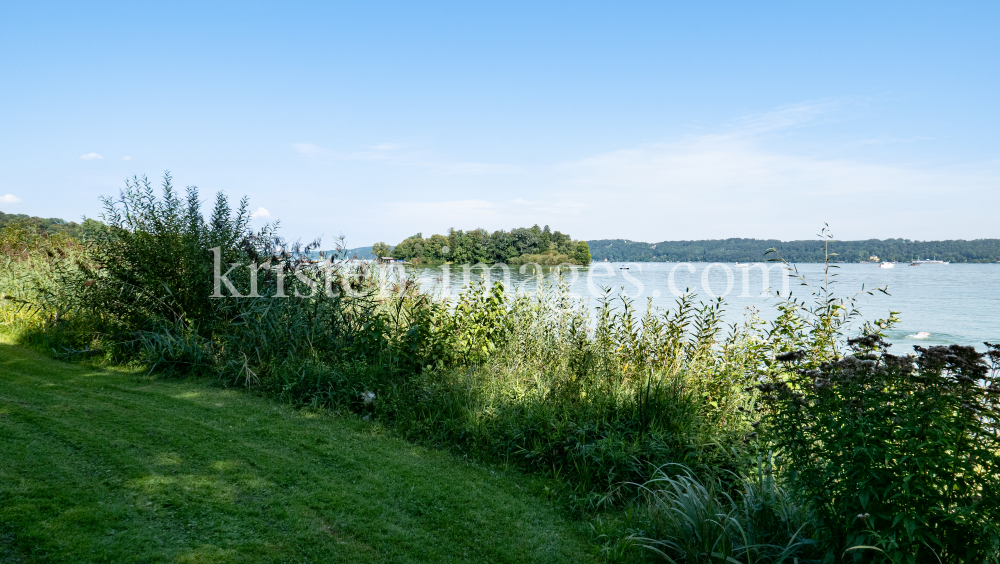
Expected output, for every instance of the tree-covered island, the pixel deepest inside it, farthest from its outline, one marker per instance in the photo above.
(522, 245)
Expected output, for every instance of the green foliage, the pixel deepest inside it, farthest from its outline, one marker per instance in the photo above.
(34, 298)
(754, 250)
(152, 263)
(598, 400)
(899, 453)
(528, 379)
(47, 226)
(518, 246)
(693, 521)
(582, 253)
(381, 249)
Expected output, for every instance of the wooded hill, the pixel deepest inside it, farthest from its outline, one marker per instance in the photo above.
(754, 250)
(521, 245)
(48, 226)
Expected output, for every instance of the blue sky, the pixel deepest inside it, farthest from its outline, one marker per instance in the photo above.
(649, 121)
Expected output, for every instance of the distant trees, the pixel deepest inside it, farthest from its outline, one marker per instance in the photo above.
(520, 245)
(754, 250)
(381, 249)
(47, 226)
(582, 253)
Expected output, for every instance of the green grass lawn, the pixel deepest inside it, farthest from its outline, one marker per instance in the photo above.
(108, 466)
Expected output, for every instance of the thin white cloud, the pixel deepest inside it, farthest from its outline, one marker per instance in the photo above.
(749, 179)
(261, 212)
(91, 157)
(9, 199)
(738, 163)
(307, 150)
(126, 158)
(763, 175)
(787, 117)
(740, 184)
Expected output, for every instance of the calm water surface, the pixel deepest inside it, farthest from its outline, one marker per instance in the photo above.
(938, 303)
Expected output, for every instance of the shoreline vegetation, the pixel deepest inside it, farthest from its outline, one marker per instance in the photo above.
(45, 226)
(522, 248)
(754, 250)
(521, 245)
(669, 435)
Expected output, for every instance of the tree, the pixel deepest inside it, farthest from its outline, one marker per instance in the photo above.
(407, 249)
(526, 241)
(381, 249)
(479, 245)
(582, 254)
(436, 248)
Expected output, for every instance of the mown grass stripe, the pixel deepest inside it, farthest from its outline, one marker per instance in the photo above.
(106, 466)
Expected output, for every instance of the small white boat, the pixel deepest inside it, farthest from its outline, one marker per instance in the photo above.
(886, 265)
(927, 261)
(742, 265)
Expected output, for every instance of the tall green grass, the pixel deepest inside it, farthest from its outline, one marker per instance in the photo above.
(691, 519)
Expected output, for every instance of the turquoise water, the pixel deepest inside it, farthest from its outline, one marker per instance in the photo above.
(938, 303)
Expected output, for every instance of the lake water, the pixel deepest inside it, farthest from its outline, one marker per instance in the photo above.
(938, 303)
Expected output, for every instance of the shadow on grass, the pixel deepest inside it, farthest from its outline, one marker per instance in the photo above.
(107, 466)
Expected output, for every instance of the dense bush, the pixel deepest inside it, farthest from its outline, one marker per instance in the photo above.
(152, 263)
(898, 453)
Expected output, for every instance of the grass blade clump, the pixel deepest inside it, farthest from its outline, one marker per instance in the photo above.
(688, 519)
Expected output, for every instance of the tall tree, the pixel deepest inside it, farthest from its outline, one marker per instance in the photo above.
(381, 249)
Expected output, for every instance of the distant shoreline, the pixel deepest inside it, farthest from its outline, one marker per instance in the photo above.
(804, 251)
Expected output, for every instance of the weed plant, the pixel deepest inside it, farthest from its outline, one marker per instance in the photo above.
(899, 456)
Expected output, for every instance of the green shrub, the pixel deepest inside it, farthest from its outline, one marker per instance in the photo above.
(897, 453)
(152, 264)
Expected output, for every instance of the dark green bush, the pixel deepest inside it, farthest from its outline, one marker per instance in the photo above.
(152, 264)
(899, 453)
